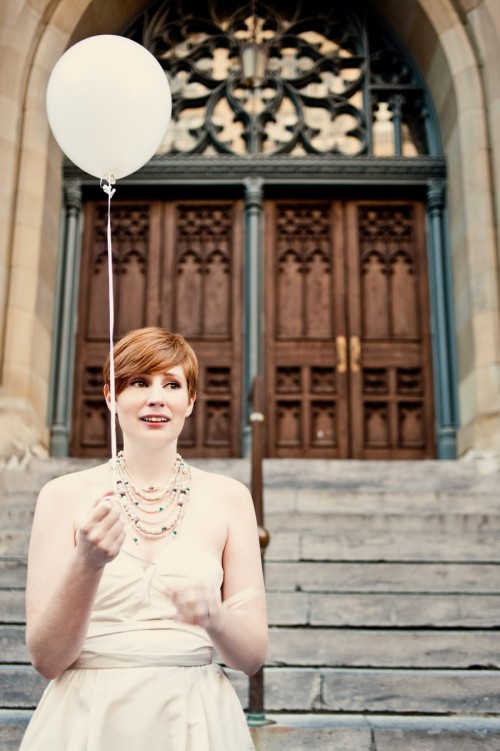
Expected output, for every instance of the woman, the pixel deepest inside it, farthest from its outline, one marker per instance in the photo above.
(137, 569)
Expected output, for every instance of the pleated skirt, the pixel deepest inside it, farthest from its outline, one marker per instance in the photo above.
(139, 709)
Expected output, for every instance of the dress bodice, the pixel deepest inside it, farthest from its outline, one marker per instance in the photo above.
(133, 619)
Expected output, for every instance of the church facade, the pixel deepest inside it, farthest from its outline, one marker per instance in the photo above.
(327, 222)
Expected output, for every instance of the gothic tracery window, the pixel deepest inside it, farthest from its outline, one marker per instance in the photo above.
(334, 83)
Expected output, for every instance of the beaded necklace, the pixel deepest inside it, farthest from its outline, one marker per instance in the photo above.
(154, 511)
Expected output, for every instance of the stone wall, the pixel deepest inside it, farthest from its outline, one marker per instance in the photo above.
(456, 44)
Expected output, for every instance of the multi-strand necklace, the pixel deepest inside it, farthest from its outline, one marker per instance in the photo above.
(157, 510)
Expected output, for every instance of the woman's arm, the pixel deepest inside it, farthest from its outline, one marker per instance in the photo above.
(64, 571)
(239, 634)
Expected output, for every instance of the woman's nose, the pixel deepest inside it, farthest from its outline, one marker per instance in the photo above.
(156, 395)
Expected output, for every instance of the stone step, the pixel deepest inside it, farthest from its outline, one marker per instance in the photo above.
(14, 649)
(425, 486)
(327, 732)
(334, 648)
(384, 604)
(303, 506)
(378, 691)
(324, 732)
(384, 648)
(292, 507)
(306, 689)
(13, 723)
(347, 610)
(17, 514)
(372, 577)
(452, 477)
(429, 480)
(313, 501)
(12, 609)
(433, 475)
(384, 545)
(13, 572)
(384, 610)
(14, 543)
(350, 576)
(338, 523)
(20, 686)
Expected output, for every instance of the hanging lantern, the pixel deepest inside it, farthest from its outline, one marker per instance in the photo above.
(253, 56)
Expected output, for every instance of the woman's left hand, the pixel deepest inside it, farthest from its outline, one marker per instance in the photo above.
(197, 604)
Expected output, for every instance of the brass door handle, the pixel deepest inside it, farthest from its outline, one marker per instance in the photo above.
(355, 353)
(341, 343)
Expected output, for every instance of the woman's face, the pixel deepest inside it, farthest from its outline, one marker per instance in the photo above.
(153, 406)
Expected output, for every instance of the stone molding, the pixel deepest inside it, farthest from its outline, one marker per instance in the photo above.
(275, 169)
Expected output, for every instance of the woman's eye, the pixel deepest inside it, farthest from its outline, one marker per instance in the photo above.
(139, 383)
(173, 385)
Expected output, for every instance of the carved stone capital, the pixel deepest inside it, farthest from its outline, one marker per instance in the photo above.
(435, 197)
(73, 196)
(254, 192)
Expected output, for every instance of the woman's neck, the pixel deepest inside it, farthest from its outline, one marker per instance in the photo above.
(149, 466)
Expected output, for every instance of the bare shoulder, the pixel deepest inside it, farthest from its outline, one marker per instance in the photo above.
(224, 488)
(76, 487)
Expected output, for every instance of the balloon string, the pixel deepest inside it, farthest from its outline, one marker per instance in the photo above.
(106, 183)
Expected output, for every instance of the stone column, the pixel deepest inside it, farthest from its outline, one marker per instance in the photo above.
(396, 103)
(253, 329)
(444, 357)
(65, 323)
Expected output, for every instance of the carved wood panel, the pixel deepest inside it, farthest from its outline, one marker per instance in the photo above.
(176, 265)
(347, 348)
(307, 400)
(348, 344)
(202, 299)
(391, 408)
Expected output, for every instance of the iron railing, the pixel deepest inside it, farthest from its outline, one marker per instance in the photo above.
(256, 715)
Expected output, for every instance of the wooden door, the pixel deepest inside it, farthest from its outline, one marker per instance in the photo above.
(391, 405)
(348, 367)
(306, 330)
(177, 265)
(347, 338)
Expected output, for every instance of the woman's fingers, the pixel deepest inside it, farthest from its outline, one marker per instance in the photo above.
(102, 512)
(197, 605)
(102, 533)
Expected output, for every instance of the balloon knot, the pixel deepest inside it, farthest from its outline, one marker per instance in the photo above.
(106, 182)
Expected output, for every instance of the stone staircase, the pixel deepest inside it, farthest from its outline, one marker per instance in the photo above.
(384, 605)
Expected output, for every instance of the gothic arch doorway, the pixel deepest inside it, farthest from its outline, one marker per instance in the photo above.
(339, 322)
(348, 358)
(347, 347)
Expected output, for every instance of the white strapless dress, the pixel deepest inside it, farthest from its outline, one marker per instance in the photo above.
(143, 681)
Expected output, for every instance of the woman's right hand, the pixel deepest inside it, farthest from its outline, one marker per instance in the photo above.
(102, 533)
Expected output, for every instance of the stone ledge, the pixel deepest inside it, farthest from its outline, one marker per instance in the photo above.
(416, 477)
(351, 732)
(302, 732)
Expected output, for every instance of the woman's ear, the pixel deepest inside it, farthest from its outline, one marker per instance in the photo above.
(107, 395)
(190, 406)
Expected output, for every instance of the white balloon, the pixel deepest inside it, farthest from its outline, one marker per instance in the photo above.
(109, 105)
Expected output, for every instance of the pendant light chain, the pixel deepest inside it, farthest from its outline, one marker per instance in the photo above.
(253, 11)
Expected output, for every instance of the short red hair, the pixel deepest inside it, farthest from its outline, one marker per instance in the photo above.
(152, 350)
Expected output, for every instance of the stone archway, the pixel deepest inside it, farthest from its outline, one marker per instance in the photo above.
(35, 38)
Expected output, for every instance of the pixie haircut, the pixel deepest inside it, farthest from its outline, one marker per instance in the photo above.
(152, 350)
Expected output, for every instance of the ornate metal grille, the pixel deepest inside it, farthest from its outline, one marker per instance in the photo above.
(335, 83)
